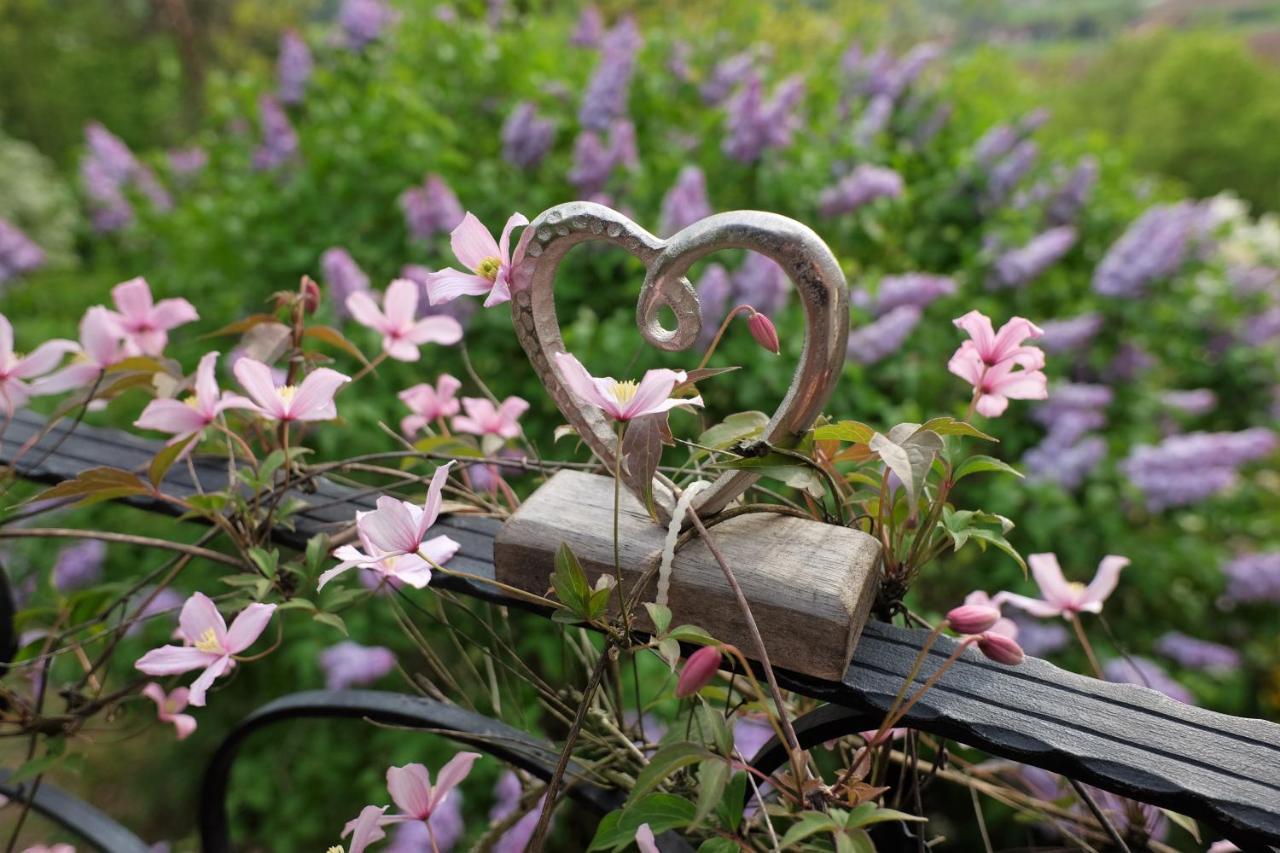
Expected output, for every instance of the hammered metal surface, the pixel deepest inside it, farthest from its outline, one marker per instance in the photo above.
(797, 249)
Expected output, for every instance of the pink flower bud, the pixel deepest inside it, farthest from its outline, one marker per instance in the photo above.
(698, 671)
(1000, 649)
(763, 330)
(972, 618)
(310, 294)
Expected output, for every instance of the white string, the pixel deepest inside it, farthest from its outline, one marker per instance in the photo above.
(673, 533)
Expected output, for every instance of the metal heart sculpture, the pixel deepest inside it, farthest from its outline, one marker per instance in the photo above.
(796, 248)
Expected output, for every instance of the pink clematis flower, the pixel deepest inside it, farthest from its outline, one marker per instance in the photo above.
(185, 418)
(365, 829)
(989, 362)
(429, 404)
(15, 370)
(394, 539)
(411, 789)
(484, 418)
(627, 399)
(993, 347)
(402, 332)
(145, 324)
(645, 842)
(209, 643)
(101, 348)
(312, 400)
(488, 261)
(169, 708)
(1063, 598)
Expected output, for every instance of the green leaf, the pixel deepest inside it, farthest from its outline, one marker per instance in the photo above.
(570, 582)
(730, 808)
(713, 728)
(97, 484)
(737, 427)
(598, 603)
(164, 460)
(447, 445)
(317, 551)
(1187, 824)
(334, 338)
(979, 464)
(855, 841)
(267, 561)
(669, 651)
(333, 620)
(810, 823)
(36, 766)
(665, 762)
(718, 845)
(296, 604)
(869, 813)
(951, 426)
(713, 776)
(691, 634)
(963, 525)
(661, 811)
(851, 432)
(660, 616)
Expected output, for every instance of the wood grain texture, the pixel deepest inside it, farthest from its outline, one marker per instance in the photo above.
(1127, 739)
(810, 585)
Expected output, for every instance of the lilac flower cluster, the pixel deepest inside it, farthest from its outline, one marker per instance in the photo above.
(293, 68)
(18, 254)
(727, 75)
(1155, 246)
(1147, 673)
(881, 80)
(1069, 453)
(526, 138)
(1018, 267)
(185, 163)
(348, 664)
(758, 282)
(686, 202)
(1198, 654)
(1186, 469)
(363, 21)
(79, 565)
(507, 795)
(594, 159)
(1134, 820)
(430, 209)
(590, 28)
(884, 336)
(1249, 280)
(279, 140)
(343, 276)
(605, 100)
(1039, 638)
(932, 125)
(1129, 361)
(1197, 401)
(1253, 577)
(915, 288)
(1070, 334)
(442, 831)
(1262, 328)
(860, 187)
(1001, 140)
(678, 61)
(714, 290)
(1072, 193)
(1003, 177)
(755, 124)
(107, 169)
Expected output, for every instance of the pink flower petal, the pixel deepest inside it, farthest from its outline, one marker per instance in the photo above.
(515, 220)
(451, 775)
(391, 528)
(174, 660)
(992, 405)
(215, 670)
(581, 385)
(43, 358)
(248, 626)
(1104, 582)
(439, 549)
(655, 387)
(967, 364)
(206, 385)
(185, 724)
(472, 243)
(6, 336)
(448, 284)
(100, 336)
(978, 325)
(401, 303)
(314, 399)
(1048, 576)
(171, 416)
(360, 305)
(200, 616)
(365, 829)
(255, 377)
(410, 789)
(1034, 606)
(133, 299)
(435, 330)
(431, 507)
(170, 313)
(645, 842)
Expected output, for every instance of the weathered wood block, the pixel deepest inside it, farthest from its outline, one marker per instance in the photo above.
(810, 585)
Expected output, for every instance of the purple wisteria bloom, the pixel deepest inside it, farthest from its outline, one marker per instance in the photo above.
(1130, 360)
(343, 276)
(1072, 193)
(363, 21)
(526, 137)
(79, 565)
(431, 208)
(1253, 577)
(762, 284)
(1068, 466)
(348, 663)
(1147, 673)
(1023, 265)
(1198, 654)
(727, 75)
(1155, 246)
(686, 202)
(1070, 334)
(590, 28)
(915, 288)
(873, 121)
(714, 290)
(1004, 176)
(755, 124)
(860, 187)
(185, 163)
(594, 159)
(1197, 401)
(293, 68)
(883, 337)
(107, 169)
(1186, 469)
(279, 140)
(605, 100)
(18, 254)
(1068, 453)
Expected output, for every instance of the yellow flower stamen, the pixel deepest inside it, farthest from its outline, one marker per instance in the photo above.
(192, 401)
(286, 393)
(489, 268)
(1076, 587)
(208, 642)
(625, 391)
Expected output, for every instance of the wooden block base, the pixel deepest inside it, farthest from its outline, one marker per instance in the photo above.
(810, 585)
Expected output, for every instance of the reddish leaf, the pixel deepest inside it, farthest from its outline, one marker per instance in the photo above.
(641, 453)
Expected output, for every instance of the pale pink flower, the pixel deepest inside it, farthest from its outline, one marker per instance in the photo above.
(144, 323)
(15, 370)
(209, 643)
(402, 332)
(101, 348)
(312, 400)
(994, 347)
(395, 540)
(645, 842)
(489, 262)
(169, 708)
(429, 403)
(989, 361)
(185, 418)
(1001, 649)
(484, 418)
(626, 399)
(411, 789)
(1060, 597)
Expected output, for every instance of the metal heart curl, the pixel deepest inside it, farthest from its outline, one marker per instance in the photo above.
(796, 248)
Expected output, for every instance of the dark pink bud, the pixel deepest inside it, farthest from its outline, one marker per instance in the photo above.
(1000, 649)
(972, 618)
(698, 671)
(763, 330)
(310, 294)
